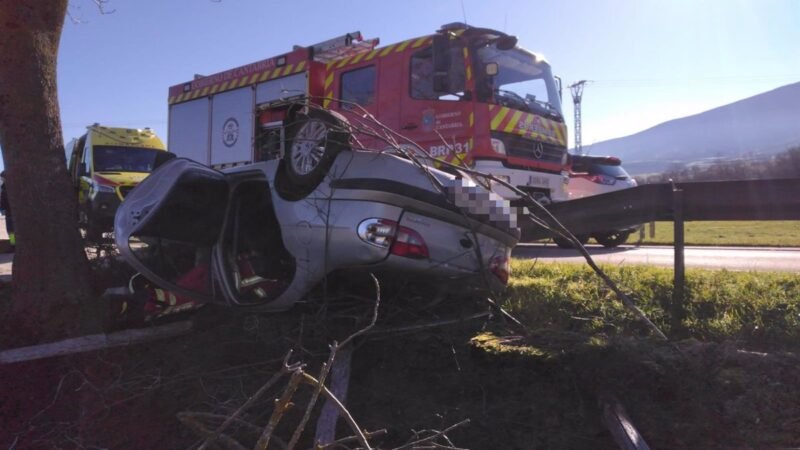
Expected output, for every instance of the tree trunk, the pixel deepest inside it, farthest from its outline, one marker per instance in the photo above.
(51, 277)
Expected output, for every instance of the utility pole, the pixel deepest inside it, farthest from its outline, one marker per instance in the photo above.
(577, 94)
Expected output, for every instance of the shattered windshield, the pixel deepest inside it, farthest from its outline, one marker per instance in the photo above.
(522, 81)
(108, 158)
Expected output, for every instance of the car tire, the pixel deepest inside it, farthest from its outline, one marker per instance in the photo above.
(612, 239)
(562, 242)
(312, 142)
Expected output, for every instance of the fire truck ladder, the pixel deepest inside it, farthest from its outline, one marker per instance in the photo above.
(341, 47)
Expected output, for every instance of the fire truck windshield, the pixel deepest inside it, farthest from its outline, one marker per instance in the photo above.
(108, 158)
(522, 81)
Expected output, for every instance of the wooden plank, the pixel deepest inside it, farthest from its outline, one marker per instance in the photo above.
(95, 342)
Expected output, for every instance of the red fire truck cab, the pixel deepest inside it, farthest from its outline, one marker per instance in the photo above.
(466, 95)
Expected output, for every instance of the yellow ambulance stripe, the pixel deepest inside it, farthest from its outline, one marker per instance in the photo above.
(388, 50)
(214, 89)
(196, 94)
(328, 81)
(403, 45)
(205, 91)
(499, 117)
(419, 42)
(254, 78)
(223, 86)
(300, 66)
(265, 75)
(233, 84)
(289, 69)
(513, 122)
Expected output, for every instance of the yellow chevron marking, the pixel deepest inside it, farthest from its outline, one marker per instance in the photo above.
(513, 122)
(358, 58)
(371, 55)
(388, 50)
(419, 42)
(195, 94)
(254, 78)
(205, 91)
(469, 73)
(276, 73)
(264, 75)
(471, 121)
(300, 66)
(499, 117)
(214, 89)
(233, 84)
(344, 62)
(328, 81)
(403, 45)
(171, 99)
(326, 102)
(223, 86)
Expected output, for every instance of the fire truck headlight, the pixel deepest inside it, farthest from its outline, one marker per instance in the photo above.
(498, 146)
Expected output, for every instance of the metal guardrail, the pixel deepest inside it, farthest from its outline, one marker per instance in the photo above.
(698, 201)
(707, 200)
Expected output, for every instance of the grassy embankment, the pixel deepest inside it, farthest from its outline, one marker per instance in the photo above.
(763, 308)
(780, 233)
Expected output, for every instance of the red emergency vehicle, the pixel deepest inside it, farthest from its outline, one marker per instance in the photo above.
(466, 95)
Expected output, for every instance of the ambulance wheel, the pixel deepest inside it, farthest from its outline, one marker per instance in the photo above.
(312, 143)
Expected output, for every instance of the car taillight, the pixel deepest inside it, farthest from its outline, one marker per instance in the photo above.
(409, 244)
(601, 179)
(401, 241)
(500, 267)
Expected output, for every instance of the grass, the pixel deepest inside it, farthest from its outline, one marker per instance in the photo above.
(779, 233)
(756, 307)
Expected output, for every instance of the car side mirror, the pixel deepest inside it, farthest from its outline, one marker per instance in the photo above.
(162, 157)
(441, 63)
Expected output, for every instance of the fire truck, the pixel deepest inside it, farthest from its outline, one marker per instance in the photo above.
(466, 95)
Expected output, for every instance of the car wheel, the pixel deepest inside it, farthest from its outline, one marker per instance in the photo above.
(612, 239)
(312, 143)
(562, 242)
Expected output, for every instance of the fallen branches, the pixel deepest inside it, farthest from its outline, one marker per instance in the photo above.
(95, 342)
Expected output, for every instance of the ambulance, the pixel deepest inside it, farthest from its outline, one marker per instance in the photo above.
(104, 165)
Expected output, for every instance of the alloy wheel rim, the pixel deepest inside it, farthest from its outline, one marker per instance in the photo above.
(309, 146)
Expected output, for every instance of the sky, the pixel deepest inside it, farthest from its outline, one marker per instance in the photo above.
(648, 61)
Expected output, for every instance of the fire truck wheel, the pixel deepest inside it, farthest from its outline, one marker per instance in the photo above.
(612, 239)
(564, 243)
(312, 143)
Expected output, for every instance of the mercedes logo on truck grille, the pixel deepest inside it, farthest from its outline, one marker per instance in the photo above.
(538, 150)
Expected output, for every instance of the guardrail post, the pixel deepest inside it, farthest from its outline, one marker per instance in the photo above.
(678, 311)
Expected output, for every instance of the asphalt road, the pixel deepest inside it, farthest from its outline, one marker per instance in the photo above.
(731, 258)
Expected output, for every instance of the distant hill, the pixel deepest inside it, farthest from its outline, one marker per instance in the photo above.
(755, 127)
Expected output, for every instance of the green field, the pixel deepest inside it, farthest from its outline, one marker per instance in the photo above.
(762, 307)
(782, 233)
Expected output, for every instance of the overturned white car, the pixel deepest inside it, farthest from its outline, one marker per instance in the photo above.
(247, 236)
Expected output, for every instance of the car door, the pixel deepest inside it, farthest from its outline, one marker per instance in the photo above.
(168, 226)
(440, 122)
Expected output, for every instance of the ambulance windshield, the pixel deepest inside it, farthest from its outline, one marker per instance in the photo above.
(523, 81)
(112, 158)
